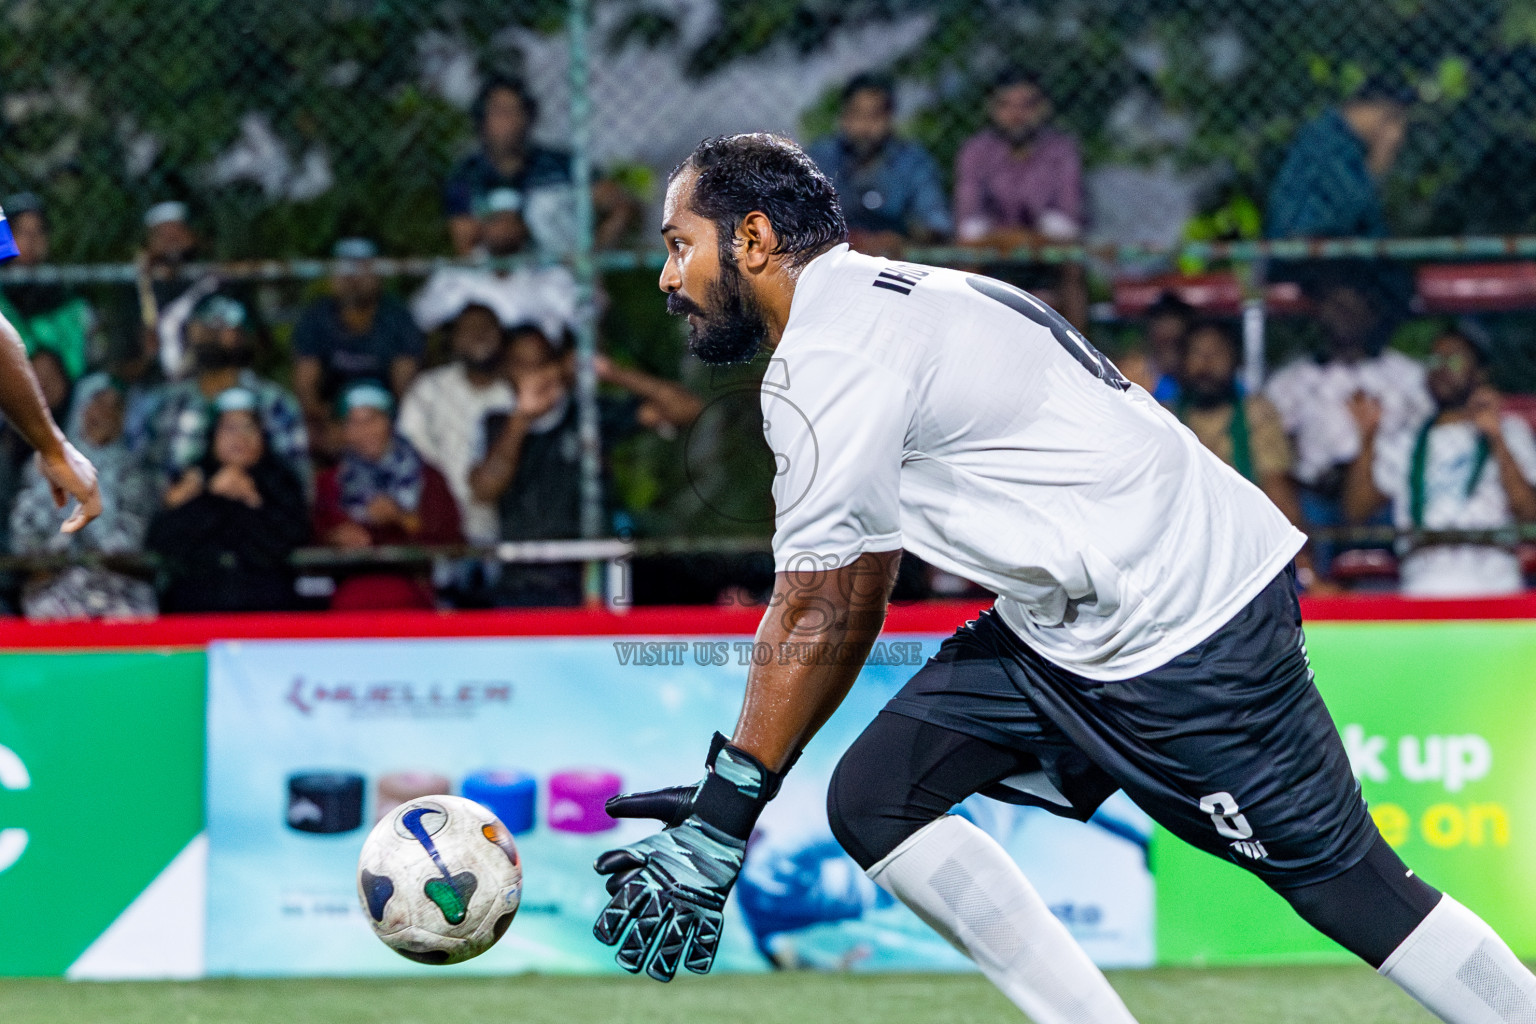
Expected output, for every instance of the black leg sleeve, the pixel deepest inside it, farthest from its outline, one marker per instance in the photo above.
(901, 774)
(1369, 909)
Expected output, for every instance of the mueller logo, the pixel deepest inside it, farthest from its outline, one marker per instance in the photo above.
(417, 699)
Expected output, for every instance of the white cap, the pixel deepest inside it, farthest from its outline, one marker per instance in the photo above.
(165, 213)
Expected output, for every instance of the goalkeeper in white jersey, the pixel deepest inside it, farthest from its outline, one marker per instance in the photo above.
(1146, 635)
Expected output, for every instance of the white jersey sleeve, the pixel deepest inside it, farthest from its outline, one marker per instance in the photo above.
(835, 422)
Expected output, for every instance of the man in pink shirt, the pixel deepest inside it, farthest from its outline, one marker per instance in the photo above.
(1018, 181)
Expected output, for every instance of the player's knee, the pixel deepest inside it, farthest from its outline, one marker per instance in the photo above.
(863, 819)
(847, 818)
(1368, 909)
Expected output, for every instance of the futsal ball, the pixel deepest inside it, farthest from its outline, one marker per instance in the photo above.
(439, 879)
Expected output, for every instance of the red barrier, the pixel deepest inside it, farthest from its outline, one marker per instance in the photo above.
(170, 631)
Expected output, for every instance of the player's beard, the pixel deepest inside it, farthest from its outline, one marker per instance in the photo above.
(733, 330)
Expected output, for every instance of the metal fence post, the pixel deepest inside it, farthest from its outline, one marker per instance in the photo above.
(1254, 321)
(585, 269)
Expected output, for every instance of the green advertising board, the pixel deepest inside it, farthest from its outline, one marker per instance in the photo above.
(1440, 723)
(101, 769)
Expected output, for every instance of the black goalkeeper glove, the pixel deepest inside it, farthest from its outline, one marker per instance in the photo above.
(669, 890)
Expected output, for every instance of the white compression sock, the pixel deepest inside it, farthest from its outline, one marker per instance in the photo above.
(1461, 971)
(961, 882)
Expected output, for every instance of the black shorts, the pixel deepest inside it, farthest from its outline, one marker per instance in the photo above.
(1229, 746)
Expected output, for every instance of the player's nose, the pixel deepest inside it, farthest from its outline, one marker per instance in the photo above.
(671, 280)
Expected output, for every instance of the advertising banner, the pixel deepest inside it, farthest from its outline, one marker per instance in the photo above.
(101, 761)
(1439, 720)
(309, 741)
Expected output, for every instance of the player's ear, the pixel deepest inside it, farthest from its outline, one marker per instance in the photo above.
(757, 240)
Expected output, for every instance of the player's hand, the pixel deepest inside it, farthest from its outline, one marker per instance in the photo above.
(71, 475)
(669, 890)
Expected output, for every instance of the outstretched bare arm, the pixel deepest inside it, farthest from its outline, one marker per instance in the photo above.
(819, 628)
(68, 472)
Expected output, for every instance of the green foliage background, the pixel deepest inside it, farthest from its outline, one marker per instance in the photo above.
(79, 79)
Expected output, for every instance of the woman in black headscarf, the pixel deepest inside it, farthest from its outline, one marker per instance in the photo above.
(231, 522)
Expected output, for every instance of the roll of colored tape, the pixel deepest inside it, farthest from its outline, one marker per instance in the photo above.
(576, 800)
(510, 795)
(325, 802)
(396, 788)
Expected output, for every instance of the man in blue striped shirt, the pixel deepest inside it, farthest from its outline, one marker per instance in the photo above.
(69, 473)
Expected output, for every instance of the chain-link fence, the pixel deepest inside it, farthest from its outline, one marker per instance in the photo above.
(289, 124)
(286, 127)
(283, 124)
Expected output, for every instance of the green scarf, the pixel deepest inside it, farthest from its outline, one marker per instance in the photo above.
(1416, 467)
(1237, 432)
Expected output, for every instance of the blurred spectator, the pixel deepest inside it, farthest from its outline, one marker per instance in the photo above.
(166, 295)
(95, 427)
(890, 188)
(1135, 367)
(230, 522)
(47, 316)
(355, 333)
(54, 381)
(223, 348)
(1245, 432)
(381, 492)
(1167, 324)
(1328, 186)
(442, 413)
(504, 114)
(1465, 466)
(544, 295)
(531, 466)
(1313, 395)
(1019, 180)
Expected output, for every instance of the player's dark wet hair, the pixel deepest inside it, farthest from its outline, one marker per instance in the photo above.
(885, 85)
(738, 174)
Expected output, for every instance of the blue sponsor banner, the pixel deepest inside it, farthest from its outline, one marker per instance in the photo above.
(308, 741)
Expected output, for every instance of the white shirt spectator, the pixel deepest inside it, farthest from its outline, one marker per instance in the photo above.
(545, 296)
(1455, 570)
(442, 416)
(1313, 399)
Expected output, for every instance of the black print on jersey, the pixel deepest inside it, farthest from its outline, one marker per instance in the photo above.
(900, 277)
(1066, 335)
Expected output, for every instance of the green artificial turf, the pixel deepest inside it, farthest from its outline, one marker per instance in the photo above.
(1271, 995)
